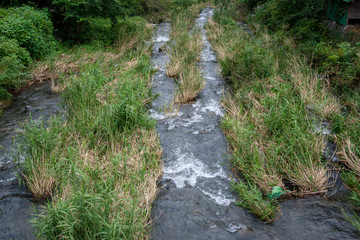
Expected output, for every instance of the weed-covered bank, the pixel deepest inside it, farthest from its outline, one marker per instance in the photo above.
(99, 166)
(275, 115)
(275, 141)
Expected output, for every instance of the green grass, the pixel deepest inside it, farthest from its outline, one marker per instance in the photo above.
(252, 198)
(184, 54)
(269, 121)
(271, 136)
(100, 165)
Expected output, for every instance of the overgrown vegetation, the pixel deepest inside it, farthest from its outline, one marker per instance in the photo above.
(25, 36)
(27, 30)
(279, 99)
(185, 53)
(100, 165)
(272, 141)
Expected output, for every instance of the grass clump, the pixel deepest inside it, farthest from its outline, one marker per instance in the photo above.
(270, 115)
(185, 53)
(252, 198)
(99, 166)
(348, 141)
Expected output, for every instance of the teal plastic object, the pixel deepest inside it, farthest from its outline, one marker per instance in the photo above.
(276, 192)
(337, 10)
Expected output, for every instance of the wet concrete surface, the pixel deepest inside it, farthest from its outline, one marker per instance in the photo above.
(195, 200)
(16, 202)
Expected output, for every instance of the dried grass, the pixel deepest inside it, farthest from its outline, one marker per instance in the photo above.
(314, 91)
(175, 66)
(142, 143)
(233, 109)
(349, 157)
(41, 183)
(191, 83)
(266, 181)
(67, 65)
(310, 177)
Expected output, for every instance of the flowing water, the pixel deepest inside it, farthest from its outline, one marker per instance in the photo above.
(195, 200)
(16, 205)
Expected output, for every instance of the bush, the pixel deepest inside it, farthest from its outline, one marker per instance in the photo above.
(25, 34)
(157, 10)
(302, 18)
(83, 21)
(341, 61)
(276, 13)
(13, 62)
(31, 28)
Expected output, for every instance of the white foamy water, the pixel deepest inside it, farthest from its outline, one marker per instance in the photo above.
(155, 115)
(162, 38)
(187, 169)
(213, 106)
(183, 122)
(236, 227)
(183, 167)
(161, 116)
(219, 197)
(8, 179)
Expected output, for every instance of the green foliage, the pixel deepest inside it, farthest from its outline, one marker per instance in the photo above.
(25, 34)
(352, 181)
(85, 215)
(31, 28)
(132, 31)
(13, 62)
(126, 113)
(276, 13)
(252, 3)
(341, 61)
(184, 3)
(157, 10)
(83, 21)
(353, 218)
(185, 53)
(98, 163)
(272, 142)
(252, 199)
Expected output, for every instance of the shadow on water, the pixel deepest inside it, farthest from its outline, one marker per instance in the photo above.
(16, 205)
(195, 200)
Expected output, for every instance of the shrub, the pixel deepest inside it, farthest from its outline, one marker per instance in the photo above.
(83, 21)
(31, 28)
(25, 34)
(302, 18)
(13, 62)
(341, 61)
(157, 10)
(276, 13)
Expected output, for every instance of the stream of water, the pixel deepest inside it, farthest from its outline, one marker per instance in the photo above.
(16, 205)
(195, 200)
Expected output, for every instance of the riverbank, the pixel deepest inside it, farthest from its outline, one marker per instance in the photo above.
(99, 167)
(282, 116)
